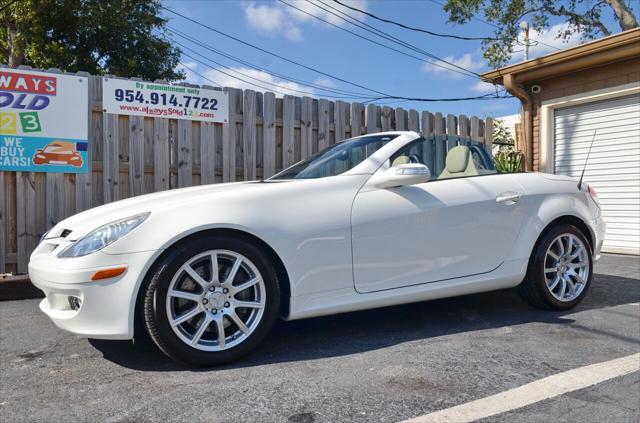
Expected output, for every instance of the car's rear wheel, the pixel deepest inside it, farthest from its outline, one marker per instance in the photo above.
(211, 300)
(560, 269)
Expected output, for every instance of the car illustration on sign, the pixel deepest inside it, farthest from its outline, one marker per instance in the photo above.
(58, 153)
(206, 270)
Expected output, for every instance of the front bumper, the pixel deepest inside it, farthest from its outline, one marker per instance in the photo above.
(107, 306)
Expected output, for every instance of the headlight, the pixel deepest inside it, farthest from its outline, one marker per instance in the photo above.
(105, 235)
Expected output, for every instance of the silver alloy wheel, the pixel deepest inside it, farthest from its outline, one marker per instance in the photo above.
(216, 300)
(566, 267)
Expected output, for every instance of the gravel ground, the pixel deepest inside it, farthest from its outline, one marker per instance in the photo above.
(381, 365)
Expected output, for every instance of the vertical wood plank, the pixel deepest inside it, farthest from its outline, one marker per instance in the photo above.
(475, 129)
(26, 220)
(340, 120)
(249, 135)
(440, 140)
(324, 120)
(288, 116)
(111, 158)
(84, 180)
(452, 131)
(229, 136)
(161, 156)
(357, 115)
(185, 164)
(207, 153)
(306, 128)
(372, 115)
(463, 129)
(414, 122)
(269, 135)
(136, 155)
(385, 118)
(401, 119)
(427, 132)
(488, 134)
(54, 212)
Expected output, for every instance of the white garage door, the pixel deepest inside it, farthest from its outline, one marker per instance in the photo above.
(614, 165)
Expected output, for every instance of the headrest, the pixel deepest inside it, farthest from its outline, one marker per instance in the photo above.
(458, 159)
(400, 160)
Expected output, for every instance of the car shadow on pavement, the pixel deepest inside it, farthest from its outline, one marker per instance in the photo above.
(351, 333)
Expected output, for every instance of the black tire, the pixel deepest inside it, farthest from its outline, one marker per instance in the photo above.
(157, 286)
(534, 288)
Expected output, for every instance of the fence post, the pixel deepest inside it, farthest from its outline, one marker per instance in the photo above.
(306, 128)
(440, 141)
(249, 135)
(288, 115)
(488, 134)
(323, 123)
(269, 135)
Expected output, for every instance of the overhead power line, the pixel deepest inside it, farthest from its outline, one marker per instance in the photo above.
(496, 26)
(261, 81)
(264, 69)
(452, 66)
(274, 54)
(382, 95)
(426, 31)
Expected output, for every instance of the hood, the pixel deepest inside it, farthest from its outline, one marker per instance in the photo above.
(78, 225)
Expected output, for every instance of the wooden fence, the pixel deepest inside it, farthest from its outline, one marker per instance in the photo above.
(132, 155)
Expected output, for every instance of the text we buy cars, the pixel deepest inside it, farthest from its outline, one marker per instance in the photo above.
(43, 122)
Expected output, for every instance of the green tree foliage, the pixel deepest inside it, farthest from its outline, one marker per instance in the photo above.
(582, 16)
(507, 158)
(119, 37)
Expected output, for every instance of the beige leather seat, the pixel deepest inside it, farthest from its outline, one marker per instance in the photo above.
(459, 163)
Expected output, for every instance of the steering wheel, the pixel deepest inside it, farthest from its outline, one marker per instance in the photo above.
(414, 159)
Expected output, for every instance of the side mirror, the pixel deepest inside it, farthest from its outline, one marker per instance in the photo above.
(403, 175)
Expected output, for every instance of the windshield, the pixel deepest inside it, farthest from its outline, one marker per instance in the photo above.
(336, 159)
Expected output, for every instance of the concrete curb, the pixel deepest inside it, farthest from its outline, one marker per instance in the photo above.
(18, 288)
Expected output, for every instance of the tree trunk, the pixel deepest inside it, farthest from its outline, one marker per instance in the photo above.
(624, 15)
(16, 48)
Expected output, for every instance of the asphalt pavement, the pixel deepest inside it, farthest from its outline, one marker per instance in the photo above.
(383, 365)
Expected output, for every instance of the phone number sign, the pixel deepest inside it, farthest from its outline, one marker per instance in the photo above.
(124, 97)
(43, 122)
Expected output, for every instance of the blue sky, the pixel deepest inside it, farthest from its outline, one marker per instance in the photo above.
(277, 27)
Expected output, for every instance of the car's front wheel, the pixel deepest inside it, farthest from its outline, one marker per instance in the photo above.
(560, 269)
(211, 300)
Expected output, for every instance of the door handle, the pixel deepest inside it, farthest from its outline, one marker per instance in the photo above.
(508, 198)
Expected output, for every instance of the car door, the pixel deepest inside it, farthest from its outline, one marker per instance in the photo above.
(442, 229)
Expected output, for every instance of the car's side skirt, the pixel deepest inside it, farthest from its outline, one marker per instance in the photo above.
(508, 275)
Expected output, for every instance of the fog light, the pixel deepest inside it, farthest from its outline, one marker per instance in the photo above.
(75, 303)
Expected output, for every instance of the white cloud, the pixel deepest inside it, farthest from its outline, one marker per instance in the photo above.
(482, 87)
(188, 68)
(278, 19)
(325, 82)
(441, 69)
(261, 78)
(271, 20)
(546, 42)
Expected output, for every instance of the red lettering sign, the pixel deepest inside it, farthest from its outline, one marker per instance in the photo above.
(27, 83)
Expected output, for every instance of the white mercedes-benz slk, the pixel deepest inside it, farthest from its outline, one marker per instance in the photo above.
(362, 224)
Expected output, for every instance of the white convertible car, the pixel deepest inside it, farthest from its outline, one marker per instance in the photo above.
(362, 224)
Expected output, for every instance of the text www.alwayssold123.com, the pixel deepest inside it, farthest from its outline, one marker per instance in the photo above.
(156, 111)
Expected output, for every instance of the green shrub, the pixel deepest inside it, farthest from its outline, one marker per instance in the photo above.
(509, 161)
